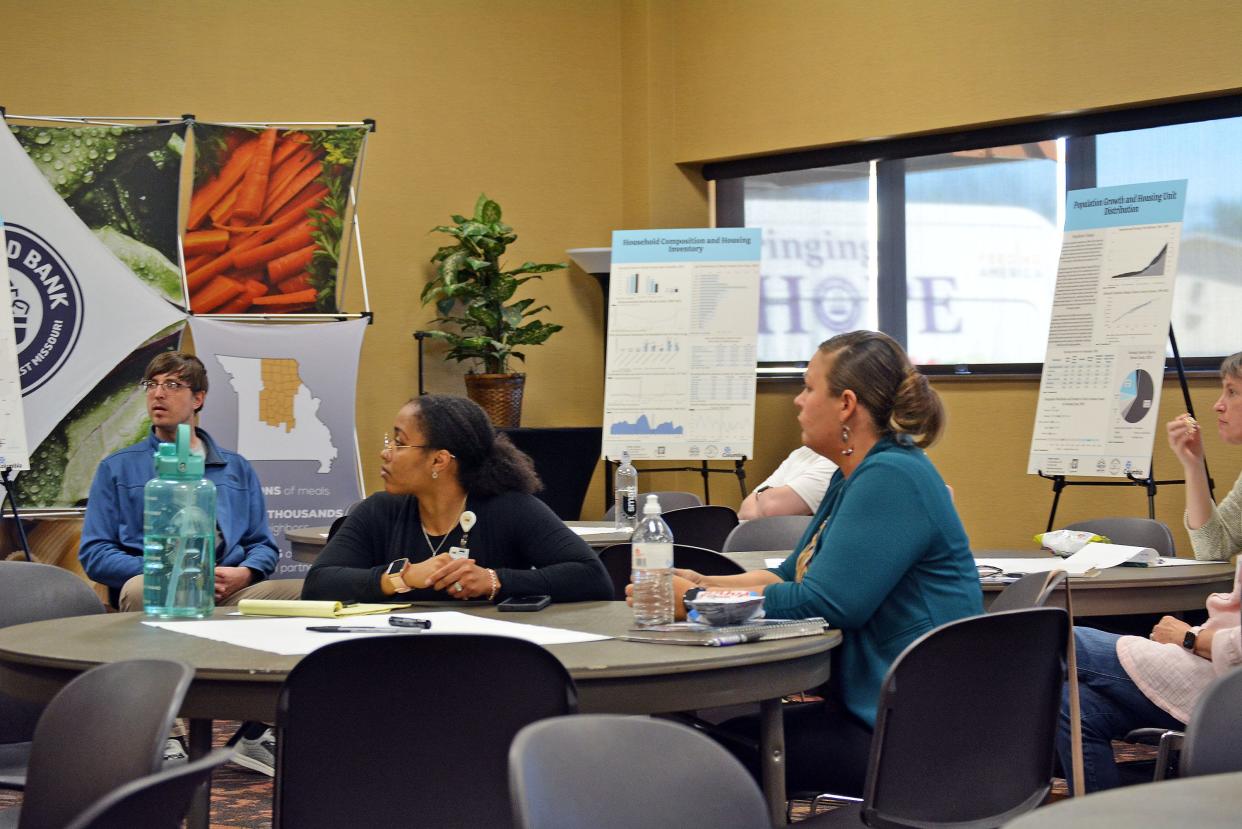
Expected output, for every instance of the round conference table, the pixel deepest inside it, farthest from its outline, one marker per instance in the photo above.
(1207, 802)
(612, 675)
(1115, 591)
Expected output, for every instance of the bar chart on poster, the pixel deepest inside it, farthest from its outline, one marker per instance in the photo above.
(1100, 387)
(682, 324)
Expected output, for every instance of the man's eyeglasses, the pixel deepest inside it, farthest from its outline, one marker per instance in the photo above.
(391, 445)
(168, 385)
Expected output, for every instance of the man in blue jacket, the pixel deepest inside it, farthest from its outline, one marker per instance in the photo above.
(246, 554)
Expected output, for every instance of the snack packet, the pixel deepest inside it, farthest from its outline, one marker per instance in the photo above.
(1068, 542)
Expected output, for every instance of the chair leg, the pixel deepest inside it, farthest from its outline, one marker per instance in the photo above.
(1170, 743)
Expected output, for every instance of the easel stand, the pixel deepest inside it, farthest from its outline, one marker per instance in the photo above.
(610, 468)
(1059, 482)
(10, 492)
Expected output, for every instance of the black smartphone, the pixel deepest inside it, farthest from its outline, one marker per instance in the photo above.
(525, 604)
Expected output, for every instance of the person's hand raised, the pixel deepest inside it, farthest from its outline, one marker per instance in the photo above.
(1186, 440)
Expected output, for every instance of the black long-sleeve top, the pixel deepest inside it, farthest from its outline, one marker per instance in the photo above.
(517, 535)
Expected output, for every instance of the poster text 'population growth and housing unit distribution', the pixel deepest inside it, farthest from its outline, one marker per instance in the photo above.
(1104, 366)
(683, 317)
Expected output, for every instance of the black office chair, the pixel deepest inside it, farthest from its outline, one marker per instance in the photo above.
(617, 561)
(704, 526)
(409, 730)
(32, 592)
(340, 519)
(669, 500)
(967, 719)
(157, 801)
(612, 772)
(1032, 590)
(1213, 741)
(1132, 532)
(776, 533)
(104, 729)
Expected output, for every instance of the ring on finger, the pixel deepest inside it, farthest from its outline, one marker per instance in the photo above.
(458, 586)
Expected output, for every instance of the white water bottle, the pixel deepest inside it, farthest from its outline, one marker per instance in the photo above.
(625, 485)
(651, 560)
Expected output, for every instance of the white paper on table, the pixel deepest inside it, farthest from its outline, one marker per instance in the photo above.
(1099, 556)
(600, 530)
(773, 563)
(289, 637)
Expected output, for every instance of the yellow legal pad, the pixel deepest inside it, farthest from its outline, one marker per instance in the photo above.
(298, 607)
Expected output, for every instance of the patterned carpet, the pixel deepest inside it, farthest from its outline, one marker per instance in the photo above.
(242, 799)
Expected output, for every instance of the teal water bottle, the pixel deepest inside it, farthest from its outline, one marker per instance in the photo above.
(178, 534)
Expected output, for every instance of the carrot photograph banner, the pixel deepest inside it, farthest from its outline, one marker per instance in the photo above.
(283, 396)
(265, 230)
(83, 312)
(124, 184)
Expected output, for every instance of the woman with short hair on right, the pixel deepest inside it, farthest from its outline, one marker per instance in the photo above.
(1128, 682)
(885, 558)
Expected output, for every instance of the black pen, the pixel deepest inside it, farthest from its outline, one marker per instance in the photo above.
(409, 622)
(349, 629)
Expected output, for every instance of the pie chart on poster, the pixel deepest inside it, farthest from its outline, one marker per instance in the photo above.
(1136, 396)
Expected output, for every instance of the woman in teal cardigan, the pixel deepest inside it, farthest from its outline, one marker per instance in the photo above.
(885, 559)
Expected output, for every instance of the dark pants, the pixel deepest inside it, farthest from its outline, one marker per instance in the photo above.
(826, 748)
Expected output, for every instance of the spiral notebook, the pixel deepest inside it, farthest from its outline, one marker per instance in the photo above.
(691, 633)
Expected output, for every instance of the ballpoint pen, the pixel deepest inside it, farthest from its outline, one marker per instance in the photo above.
(358, 629)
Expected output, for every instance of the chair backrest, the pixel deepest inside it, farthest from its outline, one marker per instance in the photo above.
(704, 526)
(1032, 590)
(613, 772)
(157, 801)
(32, 592)
(966, 724)
(616, 559)
(776, 532)
(104, 729)
(1213, 743)
(1133, 532)
(340, 519)
(668, 500)
(409, 729)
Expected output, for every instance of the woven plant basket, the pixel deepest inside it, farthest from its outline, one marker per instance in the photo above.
(500, 395)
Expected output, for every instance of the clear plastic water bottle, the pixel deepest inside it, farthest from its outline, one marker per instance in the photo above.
(179, 534)
(625, 485)
(651, 573)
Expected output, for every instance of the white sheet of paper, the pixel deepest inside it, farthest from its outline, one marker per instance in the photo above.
(290, 637)
(599, 530)
(1023, 565)
(773, 562)
(1100, 556)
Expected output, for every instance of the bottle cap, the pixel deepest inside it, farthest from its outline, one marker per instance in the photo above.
(177, 460)
(652, 507)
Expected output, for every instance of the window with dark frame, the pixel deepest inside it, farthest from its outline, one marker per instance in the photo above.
(949, 242)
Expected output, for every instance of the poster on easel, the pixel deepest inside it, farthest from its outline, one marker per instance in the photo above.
(683, 319)
(14, 454)
(1104, 365)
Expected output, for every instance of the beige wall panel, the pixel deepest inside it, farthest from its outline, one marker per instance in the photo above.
(754, 77)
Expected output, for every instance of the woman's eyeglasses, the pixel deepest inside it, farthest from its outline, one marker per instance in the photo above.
(391, 445)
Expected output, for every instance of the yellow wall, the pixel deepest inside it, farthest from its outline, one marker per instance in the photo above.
(581, 116)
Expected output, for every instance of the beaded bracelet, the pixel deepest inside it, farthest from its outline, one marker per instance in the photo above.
(495, 584)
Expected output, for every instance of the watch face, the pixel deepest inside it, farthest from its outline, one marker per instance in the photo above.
(396, 567)
(1188, 642)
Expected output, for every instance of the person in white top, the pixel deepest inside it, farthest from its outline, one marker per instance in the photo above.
(1128, 682)
(795, 488)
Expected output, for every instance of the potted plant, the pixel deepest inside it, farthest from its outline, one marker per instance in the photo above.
(474, 295)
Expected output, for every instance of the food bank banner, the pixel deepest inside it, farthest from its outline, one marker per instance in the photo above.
(266, 225)
(283, 396)
(1104, 367)
(78, 310)
(13, 452)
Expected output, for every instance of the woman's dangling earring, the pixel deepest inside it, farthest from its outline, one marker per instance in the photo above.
(845, 439)
(435, 474)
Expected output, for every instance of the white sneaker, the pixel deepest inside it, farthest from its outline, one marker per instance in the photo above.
(258, 754)
(174, 751)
